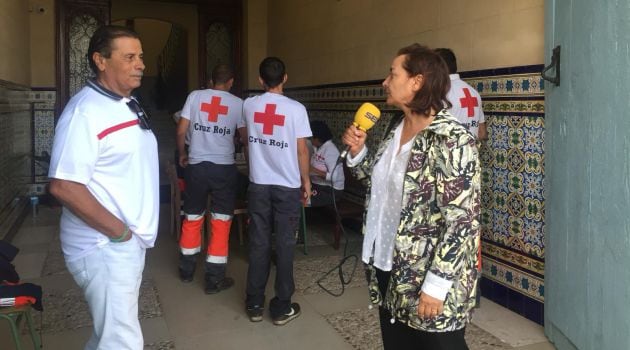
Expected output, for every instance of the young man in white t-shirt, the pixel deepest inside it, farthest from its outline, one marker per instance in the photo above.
(467, 108)
(210, 118)
(277, 128)
(104, 170)
(465, 99)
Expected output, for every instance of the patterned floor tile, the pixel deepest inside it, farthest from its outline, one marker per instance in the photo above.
(67, 310)
(361, 329)
(307, 272)
(164, 345)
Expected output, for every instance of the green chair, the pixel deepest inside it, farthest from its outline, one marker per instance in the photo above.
(14, 315)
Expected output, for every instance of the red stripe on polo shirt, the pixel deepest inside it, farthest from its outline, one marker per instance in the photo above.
(115, 128)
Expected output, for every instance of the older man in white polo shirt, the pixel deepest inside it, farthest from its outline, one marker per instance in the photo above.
(104, 170)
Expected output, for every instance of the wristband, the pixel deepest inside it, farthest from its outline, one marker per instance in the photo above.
(122, 236)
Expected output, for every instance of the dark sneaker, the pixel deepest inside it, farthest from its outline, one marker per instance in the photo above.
(285, 318)
(255, 313)
(213, 288)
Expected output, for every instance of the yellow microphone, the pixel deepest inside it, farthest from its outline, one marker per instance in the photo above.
(364, 119)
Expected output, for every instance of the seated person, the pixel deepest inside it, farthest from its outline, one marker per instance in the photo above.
(325, 154)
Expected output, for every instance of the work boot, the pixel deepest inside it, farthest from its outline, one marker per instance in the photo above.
(215, 278)
(213, 288)
(187, 264)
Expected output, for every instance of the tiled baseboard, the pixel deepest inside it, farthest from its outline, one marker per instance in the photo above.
(513, 300)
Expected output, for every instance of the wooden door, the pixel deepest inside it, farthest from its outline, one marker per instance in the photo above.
(77, 20)
(220, 32)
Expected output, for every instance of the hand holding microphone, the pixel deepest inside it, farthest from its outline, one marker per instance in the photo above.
(355, 135)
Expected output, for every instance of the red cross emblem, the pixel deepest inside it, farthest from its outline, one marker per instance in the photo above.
(469, 102)
(269, 119)
(214, 108)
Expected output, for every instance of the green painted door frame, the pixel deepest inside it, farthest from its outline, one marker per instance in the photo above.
(587, 167)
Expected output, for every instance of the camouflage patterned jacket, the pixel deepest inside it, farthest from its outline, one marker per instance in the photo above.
(439, 226)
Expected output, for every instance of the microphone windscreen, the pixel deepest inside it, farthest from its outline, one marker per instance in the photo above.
(366, 116)
(364, 119)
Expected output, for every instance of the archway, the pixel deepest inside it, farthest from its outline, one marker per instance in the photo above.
(165, 82)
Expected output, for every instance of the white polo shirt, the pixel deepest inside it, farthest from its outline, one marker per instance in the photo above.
(274, 123)
(214, 116)
(466, 103)
(99, 143)
(324, 158)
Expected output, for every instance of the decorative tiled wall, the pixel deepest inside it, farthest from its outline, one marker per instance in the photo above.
(44, 127)
(513, 201)
(26, 131)
(15, 147)
(512, 172)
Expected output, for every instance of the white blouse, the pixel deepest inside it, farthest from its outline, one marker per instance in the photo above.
(383, 215)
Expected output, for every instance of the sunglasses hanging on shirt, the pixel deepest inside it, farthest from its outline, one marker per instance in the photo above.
(143, 117)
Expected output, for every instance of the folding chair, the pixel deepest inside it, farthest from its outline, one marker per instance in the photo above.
(176, 201)
(14, 315)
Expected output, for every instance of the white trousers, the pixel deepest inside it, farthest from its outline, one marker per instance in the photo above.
(110, 277)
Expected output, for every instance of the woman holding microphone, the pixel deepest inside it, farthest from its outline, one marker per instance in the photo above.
(421, 222)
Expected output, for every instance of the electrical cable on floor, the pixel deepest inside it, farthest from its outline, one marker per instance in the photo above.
(339, 266)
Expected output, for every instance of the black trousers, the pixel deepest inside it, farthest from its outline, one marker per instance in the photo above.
(218, 179)
(272, 209)
(398, 336)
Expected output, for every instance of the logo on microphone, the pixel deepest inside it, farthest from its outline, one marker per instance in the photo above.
(371, 117)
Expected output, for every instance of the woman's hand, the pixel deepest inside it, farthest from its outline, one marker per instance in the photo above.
(429, 307)
(355, 139)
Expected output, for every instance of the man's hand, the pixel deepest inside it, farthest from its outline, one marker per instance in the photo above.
(129, 236)
(305, 165)
(82, 203)
(123, 237)
(306, 191)
(429, 307)
(183, 160)
(180, 139)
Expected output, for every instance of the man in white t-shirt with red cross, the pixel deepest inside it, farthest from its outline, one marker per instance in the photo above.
(210, 118)
(277, 128)
(468, 110)
(466, 101)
